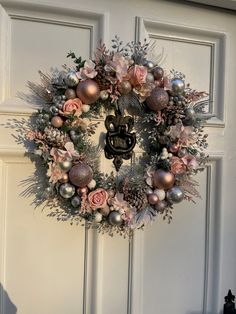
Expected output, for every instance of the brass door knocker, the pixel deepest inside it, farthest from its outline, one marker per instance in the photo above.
(120, 142)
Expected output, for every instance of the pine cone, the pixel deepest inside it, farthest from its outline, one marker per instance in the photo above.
(55, 137)
(136, 197)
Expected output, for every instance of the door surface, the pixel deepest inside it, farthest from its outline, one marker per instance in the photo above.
(50, 267)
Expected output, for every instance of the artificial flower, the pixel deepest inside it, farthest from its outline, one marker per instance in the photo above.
(87, 71)
(98, 199)
(190, 161)
(119, 65)
(55, 173)
(72, 106)
(137, 75)
(177, 165)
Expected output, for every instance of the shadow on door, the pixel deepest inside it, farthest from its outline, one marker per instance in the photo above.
(8, 306)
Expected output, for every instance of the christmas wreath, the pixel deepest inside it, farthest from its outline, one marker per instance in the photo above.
(143, 106)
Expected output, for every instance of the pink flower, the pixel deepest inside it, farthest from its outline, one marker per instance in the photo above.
(184, 134)
(137, 75)
(119, 65)
(54, 172)
(88, 70)
(144, 90)
(190, 161)
(177, 166)
(98, 198)
(60, 155)
(72, 106)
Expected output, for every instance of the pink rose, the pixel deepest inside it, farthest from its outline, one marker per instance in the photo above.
(137, 75)
(98, 198)
(177, 166)
(72, 105)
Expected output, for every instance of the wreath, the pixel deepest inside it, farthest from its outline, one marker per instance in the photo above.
(143, 106)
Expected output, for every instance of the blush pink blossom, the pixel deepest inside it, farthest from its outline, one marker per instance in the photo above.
(137, 75)
(119, 65)
(98, 199)
(72, 106)
(177, 166)
(88, 70)
(190, 161)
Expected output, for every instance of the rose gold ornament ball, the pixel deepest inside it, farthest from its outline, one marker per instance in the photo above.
(81, 191)
(153, 199)
(124, 87)
(163, 179)
(70, 93)
(80, 175)
(158, 99)
(57, 122)
(174, 148)
(64, 178)
(88, 91)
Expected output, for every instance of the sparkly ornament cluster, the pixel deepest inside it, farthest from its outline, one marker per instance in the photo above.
(168, 120)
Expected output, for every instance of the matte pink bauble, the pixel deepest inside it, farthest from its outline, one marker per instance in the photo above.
(158, 99)
(80, 175)
(88, 91)
(163, 179)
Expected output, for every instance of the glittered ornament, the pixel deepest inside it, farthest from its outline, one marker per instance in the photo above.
(57, 122)
(177, 86)
(70, 93)
(88, 91)
(153, 199)
(175, 194)
(67, 190)
(64, 178)
(114, 218)
(104, 95)
(158, 99)
(124, 87)
(160, 193)
(76, 201)
(158, 73)
(80, 175)
(71, 79)
(97, 217)
(92, 184)
(163, 179)
(65, 165)
(160, 206)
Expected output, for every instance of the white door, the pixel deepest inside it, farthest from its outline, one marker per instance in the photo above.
(50, 267)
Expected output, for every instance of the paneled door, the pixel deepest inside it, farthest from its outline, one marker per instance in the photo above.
(50, 267)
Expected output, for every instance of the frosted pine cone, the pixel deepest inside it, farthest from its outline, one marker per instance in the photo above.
(54, 137)
(136, 197)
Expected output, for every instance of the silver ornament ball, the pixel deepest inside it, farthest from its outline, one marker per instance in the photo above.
(149, 78)
(114, 218)
(149, 191)
(175, 194)
(67, 190)
(76, 201)
(104, 95)
(149, 65)
(71, 79)
(190, 113)
(177, 86)
(65, 165)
